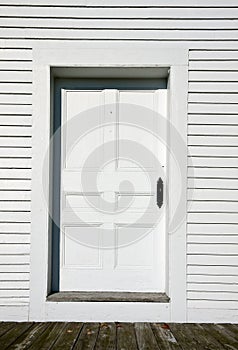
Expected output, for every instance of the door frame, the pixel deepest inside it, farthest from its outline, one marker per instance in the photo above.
(98, 55)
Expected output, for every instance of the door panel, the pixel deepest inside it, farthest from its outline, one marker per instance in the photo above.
(112, 231)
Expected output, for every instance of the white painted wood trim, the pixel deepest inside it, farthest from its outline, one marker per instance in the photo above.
(85, 55)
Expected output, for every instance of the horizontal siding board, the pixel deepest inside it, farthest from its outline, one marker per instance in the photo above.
(213, 238)
(212, 140)
(15, 173)
(211, 183)
(85, 23)
(14, 249)
(206, 248)
(15, 54)
(206, 259)
(14, 276)
(15, 142)
(208, 76)
(15, 77)
(212, 161)
(15, 152)
(213, 118)
(14, 259)
(66, 43)
(214, 108)
(213, 65)
(120, 3)
(212, 194)
(15, 99)
(213, 206)
(15, 228)
(14, 285)
(127, 12)
(16, 88)
(213, 295)
(15, 163)
(212, 55)
(209, 279)
(14, 293)
(123, 34)
(14, 195)
(15, 206)
(216, 287)
(14, 217)
(212, 98)
(17, 109)
(15, 66)
(25, 120)
(213, 151)
(14, 238)
(213, 172)
(15, 268)
(216, 228)
(207, 86)
(213, 218)
(209, 270)
(14, 301)
(211, 304)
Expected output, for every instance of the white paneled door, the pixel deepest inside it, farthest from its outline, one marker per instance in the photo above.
(113, 190)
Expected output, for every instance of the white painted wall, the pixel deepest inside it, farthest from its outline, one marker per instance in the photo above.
(209, 28)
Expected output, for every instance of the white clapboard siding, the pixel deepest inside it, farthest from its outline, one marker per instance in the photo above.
(206, 279)
(221, 140)
(15, 174)
(217, 228)
(212, 180)
(14, 259)
(208, 86)
(15, 88)
(14, 238)
(19, 99)
(209, 28)
(15, 66)
(121, 3)
(209, 271)
(204, 119)
(121, 12)
(213, 239)
(212, 206)
(209, 172)
(15, 268)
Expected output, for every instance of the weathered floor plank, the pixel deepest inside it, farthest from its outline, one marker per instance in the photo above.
(165, 337)
(47, 339)
(88, 337)
(224, 338)
(5, 326)
(204, 338)
(233, 330)
(27, 338)
(126, 338)
(68, 336)
(106, 337)
(184, 337)
(145, 337)
(13, 333)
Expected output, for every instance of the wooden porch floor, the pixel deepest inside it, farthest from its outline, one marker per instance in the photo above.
(117, 336)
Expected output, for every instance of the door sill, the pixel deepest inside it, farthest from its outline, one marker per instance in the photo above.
(141, 297)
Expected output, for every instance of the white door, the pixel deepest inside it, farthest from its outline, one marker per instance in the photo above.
(112, 229)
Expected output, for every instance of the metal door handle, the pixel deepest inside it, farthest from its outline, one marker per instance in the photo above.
(160, 192)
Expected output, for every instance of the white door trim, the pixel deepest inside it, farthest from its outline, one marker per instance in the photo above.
(99, 55)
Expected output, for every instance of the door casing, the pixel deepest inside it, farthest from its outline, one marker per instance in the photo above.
(82, 55)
